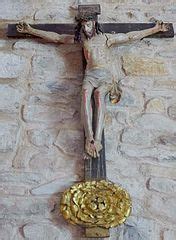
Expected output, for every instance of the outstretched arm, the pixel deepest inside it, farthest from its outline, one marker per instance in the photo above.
(115, 39)
(23, 27)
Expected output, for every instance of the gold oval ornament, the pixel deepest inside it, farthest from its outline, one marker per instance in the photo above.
(96, 204)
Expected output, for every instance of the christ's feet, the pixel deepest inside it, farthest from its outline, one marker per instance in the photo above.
(90, 148)
(93, 147)
(98, 146)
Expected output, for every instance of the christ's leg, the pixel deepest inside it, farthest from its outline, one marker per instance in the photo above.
(86, 116)
(99, 96)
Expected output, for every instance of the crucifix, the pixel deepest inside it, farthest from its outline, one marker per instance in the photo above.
(96, 204)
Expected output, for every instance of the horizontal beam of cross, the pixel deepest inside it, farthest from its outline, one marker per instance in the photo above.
(63, 28)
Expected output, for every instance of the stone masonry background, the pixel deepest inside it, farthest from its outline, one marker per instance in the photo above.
(41, 140)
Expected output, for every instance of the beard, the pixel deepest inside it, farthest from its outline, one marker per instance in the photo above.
(89, 34)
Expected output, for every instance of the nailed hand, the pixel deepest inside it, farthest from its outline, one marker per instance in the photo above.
(162, 27)
(23, 27)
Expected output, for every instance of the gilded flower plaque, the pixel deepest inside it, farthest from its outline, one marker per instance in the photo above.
(96, 204)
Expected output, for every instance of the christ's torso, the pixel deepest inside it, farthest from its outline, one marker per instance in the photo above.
(96, 52)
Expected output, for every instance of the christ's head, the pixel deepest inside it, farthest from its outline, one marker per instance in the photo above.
(88, 28)
(88, 25)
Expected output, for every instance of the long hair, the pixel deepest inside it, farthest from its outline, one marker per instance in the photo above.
(78, 30)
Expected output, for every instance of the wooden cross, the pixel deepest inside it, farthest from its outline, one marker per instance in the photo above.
(107, 27)
(95, 169)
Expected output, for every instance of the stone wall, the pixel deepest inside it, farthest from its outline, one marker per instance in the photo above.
(41, 139)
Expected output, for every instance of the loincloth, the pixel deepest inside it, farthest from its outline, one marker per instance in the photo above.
(98, 77)
(101, 77)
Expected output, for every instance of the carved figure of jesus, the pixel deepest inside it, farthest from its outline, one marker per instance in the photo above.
(98, 80)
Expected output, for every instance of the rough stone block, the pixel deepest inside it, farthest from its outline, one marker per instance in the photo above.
(131, 98)
(138, 82)
(155, 1)
(16, 10)
(8, 231)
(63, 88)
(10, 98)
(138, 66)
(62, 91)
(124, 166)
(3, 43)
(42, 137)
(169, 235)
(122, 117)
(57, 14)
(136, 136)
(16, 208)
(156, 122)
(6, 160)
(23, 156)
(162, 207)
(11, 65)
(165, 84)
(47, 114)
(7, 189)
(167, 94)
(134, 183)
(162, 185)
(8, 136)
(48, 68)
(70, 141)
(48, 230)
(155, 106)
(138, 229)
(54, 65)
(53, 164)
(151, 152)
(167, 140)
(172, 112)
(168, 52)
(158, 171)
(53, 187)
(121, 13)
(33, 44)
(20, 178)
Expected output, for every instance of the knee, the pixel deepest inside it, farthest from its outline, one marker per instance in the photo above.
(85, 92)
(98, 94)
(86, 95)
